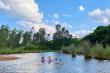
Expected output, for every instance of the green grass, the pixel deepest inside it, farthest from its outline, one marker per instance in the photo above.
(107, 53)
(69, 50)
(97, 51)
(21, 50)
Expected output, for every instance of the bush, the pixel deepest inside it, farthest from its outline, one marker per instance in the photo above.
(10, 51)
(107, 53)
(69, 50)
(65, 50)
(79, 50)
(99, 54)
(31, 47)
(72, 50)
(87, 50)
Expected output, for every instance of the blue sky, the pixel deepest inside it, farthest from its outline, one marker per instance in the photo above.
(79, 16)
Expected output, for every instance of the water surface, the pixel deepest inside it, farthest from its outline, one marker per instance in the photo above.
(30, 63)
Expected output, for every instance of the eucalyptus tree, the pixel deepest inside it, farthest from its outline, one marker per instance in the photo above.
(39, 37)
(26, 38)
(4, 34)
(11, 39)
(61, 37)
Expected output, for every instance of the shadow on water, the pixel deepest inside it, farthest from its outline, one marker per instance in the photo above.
(30, 63)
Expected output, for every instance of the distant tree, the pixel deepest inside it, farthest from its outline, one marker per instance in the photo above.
(11, 40)
(18, 38)
(39, 37)
(61, 37)
(4, 35)
(26, 38)
(100, 35)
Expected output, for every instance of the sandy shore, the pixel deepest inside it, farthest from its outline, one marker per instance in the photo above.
(7, 58)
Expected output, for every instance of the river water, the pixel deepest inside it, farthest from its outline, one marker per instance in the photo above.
(31, 63)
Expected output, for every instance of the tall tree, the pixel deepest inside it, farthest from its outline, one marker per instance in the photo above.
(61, 37)
(18, 38)
(39, 36)
(11, 40)
(26, 38)
(4, 35)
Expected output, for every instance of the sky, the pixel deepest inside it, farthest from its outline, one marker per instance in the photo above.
(80, 17)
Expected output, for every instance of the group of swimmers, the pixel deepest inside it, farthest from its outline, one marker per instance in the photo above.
(50, 60)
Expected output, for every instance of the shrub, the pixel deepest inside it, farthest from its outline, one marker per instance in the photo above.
(72, 50)
(99, 54)
(79, 50)
(69, 50)
(30, 47)
(65, 50)
(87, 50)
(107, 52)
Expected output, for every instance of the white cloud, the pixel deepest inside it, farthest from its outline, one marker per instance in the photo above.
(100, 16)
(81, 8)
(3, 6)
(66, 25)
(55, 16)
(56, 22)
(29, 25)
(63, 24)
(82, 33)
(27, 12)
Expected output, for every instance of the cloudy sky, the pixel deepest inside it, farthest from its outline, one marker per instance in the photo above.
(79, 16)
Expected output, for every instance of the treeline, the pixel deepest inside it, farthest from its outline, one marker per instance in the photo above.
(95, 45)
(100, 35)
(11, 39)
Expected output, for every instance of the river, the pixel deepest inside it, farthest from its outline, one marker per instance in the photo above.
(31, 63)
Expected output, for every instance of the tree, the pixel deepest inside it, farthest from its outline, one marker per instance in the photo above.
(26, 38)
(100, 35)
(39, 37)
(61, 37)
(4, 35)
(18, 38)
(11, 40)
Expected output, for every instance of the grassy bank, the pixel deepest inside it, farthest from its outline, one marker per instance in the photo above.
(97, 51)
(17, 51)
(26, 49)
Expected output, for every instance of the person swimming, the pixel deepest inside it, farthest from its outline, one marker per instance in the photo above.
(43, 59)
(56, 61)
(49, 60)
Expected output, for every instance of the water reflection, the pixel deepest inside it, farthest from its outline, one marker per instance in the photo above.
(30, 63)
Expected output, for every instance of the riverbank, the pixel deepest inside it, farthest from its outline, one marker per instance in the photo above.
(7, 58)
(19, 51)
(97, 51)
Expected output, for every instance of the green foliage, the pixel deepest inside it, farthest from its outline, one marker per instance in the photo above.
(30, 47)
(4, 33)
(65, 50)
(99, 54)
(107, 52)
(11, 51)
(61, 37)
(87, 49)
(26, 38)
(79, 50)
(71, 49)
(101, 35)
